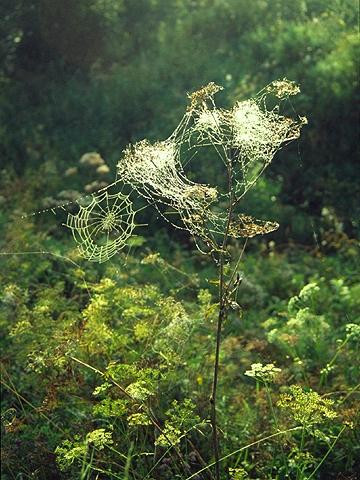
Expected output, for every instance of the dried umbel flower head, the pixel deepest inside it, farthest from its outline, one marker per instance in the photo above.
(283, 88)
(246, 227)
(209, 126)
(353, 331)
(199, 97)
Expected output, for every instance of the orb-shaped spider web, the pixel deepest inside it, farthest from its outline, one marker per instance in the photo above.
(102, 228)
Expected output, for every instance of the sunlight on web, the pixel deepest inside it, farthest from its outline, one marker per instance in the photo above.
(249, 133)
(102, 228)
(156, 172)
(245, 138)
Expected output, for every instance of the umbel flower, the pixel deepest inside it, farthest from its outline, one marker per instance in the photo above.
(265, 373)
(306, 407)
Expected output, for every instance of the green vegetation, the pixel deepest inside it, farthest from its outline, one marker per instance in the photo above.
(85, 377)
(107, 369)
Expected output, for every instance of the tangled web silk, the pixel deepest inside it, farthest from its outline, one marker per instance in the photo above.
(249, 134)
(245, 137)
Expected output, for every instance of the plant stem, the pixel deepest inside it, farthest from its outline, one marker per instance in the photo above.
(327, 453)
(299, 472)
(222, 316)
(271, 405)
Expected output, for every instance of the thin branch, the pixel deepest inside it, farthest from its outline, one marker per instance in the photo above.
(221, 318)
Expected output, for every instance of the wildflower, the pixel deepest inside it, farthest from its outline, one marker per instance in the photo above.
(309, 292)
(353, 331)
(171, 436)
(306, 407)
(101, 388)
(151, 259)
(327, 369)
(68, 452)
(139, 391)
(99, 438)
(238, 473)
(265, 373)
(139, 419)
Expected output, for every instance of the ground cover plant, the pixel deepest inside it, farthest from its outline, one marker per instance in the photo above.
(83, 376)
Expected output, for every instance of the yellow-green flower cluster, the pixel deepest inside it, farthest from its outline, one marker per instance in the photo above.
(307, 407)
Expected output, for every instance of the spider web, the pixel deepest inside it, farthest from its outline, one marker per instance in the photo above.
(155, 171)
(249, 134)
(245, 137)
(102, 228)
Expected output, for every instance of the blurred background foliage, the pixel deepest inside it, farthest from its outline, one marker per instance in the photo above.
(84, 75)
